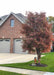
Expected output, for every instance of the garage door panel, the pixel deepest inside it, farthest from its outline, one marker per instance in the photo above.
(18, 46)
(4, 45)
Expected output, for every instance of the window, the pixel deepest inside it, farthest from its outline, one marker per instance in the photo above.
(6, 39)
(18, 40)
(1, 39)
(12, 23)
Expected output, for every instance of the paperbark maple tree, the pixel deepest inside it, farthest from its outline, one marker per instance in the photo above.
(37, 33)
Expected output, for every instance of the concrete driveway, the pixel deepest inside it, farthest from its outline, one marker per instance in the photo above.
(6, 58)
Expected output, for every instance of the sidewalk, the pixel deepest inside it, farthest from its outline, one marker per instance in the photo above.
(25, 71)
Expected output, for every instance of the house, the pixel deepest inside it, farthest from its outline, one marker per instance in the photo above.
(10, 35)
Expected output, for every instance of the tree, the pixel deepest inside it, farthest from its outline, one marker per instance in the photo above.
(51, 19)
(37, 33)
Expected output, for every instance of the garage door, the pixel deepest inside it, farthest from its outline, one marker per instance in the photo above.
(4, 45)
(18, 46)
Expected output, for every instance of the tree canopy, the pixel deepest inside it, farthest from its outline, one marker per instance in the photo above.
(37, 33)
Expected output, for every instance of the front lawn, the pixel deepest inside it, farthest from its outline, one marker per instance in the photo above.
(48, 59)
(9, 73)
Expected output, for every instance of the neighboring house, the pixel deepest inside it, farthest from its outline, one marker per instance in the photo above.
(53, 42)
(10, 35)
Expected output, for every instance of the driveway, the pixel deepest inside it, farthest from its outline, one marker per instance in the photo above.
(6, 58)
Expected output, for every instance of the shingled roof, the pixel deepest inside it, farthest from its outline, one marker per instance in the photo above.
(19, 16)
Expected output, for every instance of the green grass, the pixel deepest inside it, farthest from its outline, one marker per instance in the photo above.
(9, 73)
(48, 59)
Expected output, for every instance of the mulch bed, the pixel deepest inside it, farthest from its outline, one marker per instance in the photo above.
(38, 65)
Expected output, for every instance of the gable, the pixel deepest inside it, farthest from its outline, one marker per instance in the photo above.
(10, 32)
(19, 17)
(7, 22)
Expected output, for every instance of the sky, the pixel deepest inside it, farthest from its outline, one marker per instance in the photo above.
(21, 6)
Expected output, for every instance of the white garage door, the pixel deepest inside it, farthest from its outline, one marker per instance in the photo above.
(4, 45)
(18, 46)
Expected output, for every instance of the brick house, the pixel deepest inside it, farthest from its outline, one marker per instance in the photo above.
(10, 36)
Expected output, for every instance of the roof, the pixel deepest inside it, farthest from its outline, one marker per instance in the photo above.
(19, 16)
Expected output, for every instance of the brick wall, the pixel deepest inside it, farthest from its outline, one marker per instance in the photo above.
(9, 32)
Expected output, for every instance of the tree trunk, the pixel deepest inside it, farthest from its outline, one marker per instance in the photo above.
(39, 55)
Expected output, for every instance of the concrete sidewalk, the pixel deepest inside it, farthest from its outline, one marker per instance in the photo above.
(25, 71)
